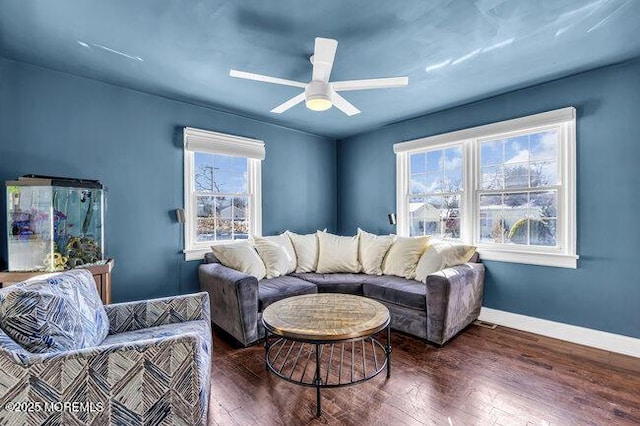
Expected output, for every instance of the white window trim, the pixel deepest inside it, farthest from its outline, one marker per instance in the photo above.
(196, 140)
(564, 256)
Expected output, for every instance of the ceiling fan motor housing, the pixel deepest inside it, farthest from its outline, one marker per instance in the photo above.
(318, 96)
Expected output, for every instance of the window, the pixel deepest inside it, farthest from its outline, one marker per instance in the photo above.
(222, 184)
(508, 188)
(435, 192)
(518, 194)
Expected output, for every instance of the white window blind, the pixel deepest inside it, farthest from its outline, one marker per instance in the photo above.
(220, 143)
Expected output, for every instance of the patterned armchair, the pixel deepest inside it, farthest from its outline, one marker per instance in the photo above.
(153, 367)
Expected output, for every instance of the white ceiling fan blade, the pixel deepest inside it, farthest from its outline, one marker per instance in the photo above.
(324, 53)
(343, 105)
(266, 78)
(289, 104)
(373, 83)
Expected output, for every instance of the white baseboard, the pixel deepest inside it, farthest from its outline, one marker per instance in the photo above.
(583, 336)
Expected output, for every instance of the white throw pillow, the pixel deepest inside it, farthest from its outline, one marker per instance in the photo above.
(240, 256)
(337, 254)
(441, 254)
(372, 250)
(277, 254)
(306, 250)
(403, 255)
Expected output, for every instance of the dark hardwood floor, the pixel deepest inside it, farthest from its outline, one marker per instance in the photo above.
(482, 377)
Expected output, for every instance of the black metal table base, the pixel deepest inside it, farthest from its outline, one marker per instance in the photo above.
(326, 364)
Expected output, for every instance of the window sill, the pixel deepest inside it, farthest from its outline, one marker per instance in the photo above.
(530, 258)
(195, 254)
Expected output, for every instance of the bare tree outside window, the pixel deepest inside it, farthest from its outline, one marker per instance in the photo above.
(436, 189)
(518, 202)
(222, 197)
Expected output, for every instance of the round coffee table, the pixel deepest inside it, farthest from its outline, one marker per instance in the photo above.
(326, 340)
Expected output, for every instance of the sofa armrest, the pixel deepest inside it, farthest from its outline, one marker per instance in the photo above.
(137, 315)
(234, 300)
(454, 299)
(112, 384)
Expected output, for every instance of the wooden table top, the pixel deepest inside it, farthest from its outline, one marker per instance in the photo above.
(325, 317)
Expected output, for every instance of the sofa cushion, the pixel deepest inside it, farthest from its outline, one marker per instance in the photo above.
(54, 312)
(403, 255)
(274, 289)
(337, 253)
(372, 250)
(277, 253)
(278, 259)
(240, 256)
(441, 254)
(199, 327)
(398, 290)
(306, 249)
(334, 283)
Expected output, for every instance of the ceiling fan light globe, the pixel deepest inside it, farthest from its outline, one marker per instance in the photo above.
(318, 96)
(318, 103)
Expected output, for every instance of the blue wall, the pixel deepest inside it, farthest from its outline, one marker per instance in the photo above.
(604, 292)
(53, 123)
(59, 124)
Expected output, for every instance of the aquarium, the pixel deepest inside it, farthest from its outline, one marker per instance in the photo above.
(54, 223)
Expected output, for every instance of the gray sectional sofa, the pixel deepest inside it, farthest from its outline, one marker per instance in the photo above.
(435, 310)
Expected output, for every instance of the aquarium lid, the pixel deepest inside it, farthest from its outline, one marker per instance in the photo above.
(40, 180)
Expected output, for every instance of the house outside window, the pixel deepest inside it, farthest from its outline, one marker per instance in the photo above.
(435, 192)
(222, 184)
(507, 188)
(518, 189)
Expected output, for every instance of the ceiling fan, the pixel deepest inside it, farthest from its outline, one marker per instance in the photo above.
(320, 94)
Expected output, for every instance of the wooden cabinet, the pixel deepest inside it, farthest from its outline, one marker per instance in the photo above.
(101, 274)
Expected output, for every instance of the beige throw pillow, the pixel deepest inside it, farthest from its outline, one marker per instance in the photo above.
(306, 251)
(403, 255)
(337, 254)
(371, 251)
(277, 254)
(240, 256)
(441, 254)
